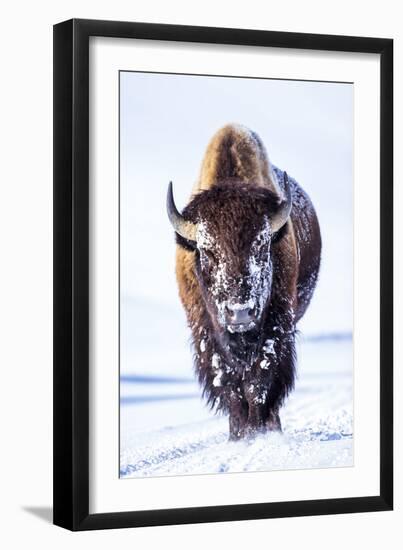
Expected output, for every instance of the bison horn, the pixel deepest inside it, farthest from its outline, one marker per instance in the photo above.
(184, 228)
(281, 216)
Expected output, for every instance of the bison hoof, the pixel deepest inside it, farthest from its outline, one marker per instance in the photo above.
(235, 437)
(273, 424)
(252, 431)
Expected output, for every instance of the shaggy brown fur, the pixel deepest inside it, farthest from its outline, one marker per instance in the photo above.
(246, 374)
(234, 151)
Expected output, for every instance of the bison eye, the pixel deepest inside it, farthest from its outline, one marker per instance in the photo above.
(262, 253)
(207, 258)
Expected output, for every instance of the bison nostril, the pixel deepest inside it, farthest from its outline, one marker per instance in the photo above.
(229, 311)
(251, 312)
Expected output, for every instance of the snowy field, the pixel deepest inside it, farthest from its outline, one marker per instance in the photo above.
(167, 430)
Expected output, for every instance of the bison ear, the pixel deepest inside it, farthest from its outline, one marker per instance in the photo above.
(187, 244)
(281, 216)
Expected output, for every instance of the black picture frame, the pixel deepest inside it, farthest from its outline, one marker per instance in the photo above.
(71, 274)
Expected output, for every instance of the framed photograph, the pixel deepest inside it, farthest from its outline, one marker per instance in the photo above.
(223, 320)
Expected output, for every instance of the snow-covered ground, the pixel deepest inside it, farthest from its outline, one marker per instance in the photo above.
(167, 430)
(307, 128)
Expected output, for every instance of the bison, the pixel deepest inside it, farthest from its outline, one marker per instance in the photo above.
(247, 263)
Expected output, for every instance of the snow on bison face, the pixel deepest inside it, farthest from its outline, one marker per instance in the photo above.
(229, 228)
(234, 270)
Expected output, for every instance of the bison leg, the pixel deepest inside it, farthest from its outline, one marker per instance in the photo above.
(256, 398)
(261, 417)
(273, 423)
(238, 416)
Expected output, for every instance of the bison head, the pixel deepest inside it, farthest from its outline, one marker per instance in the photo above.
(230, 228)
